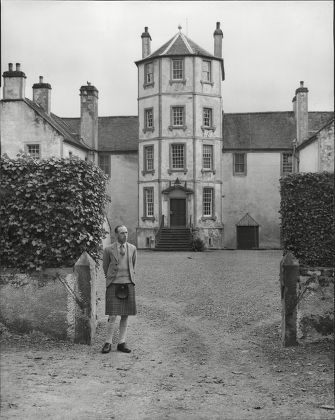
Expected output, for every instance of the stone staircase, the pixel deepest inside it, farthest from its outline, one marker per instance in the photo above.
(174, 239)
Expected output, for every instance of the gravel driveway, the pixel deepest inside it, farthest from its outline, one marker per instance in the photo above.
(205, 342)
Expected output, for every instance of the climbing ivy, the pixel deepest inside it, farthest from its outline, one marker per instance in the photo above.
(307, 217)
(51, 211)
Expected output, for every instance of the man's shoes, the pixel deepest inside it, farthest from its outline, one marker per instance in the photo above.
(122, 347)
(106, 348)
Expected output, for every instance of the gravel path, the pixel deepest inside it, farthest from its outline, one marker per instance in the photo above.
(205, 343)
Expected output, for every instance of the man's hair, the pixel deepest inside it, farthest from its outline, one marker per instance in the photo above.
(117, 228)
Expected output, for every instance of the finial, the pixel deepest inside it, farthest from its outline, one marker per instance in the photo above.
(179, 27)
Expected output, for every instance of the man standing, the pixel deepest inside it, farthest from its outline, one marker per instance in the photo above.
(119, 262)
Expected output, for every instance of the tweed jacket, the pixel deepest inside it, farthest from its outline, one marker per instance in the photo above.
(111, 261)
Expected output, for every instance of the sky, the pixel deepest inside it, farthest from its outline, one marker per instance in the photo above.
(268, 48)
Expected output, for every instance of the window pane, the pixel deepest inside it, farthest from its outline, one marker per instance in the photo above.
(207, 156)
(207, 201)
(149, 201)
(178, 156)
(34, 150)
(178, 115)
(177, 69)
(149, 76)
(149, 158)
(149, 118)
(239, 162)
(207, 117)
(206, 71)
(287, 163)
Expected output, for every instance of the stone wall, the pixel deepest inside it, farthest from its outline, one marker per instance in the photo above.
(63, 303)
(315, 316)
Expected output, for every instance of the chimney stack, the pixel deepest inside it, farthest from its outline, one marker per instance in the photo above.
(14, 85)
(218, 35)
(89, 115)
(146, 43)
(42, 95)
(301, 112)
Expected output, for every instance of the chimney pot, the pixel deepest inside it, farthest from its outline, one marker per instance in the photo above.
(145, 29)
(217, 25)
(41, 79)
(18, 67)
(301, 83)
(10, 66)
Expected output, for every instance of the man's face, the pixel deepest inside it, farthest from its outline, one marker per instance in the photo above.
(122, 234)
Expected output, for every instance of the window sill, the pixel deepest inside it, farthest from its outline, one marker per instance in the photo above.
(172, 81)
(204, 82)
(206, 171)
(150, 218)
(147, 85)
(240, 174)
(150, 129)
(148, 172)
(204, 218)
(204, 128)
(171, 171)
(177, 127)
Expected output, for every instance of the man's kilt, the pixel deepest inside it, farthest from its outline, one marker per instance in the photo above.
(116, 306)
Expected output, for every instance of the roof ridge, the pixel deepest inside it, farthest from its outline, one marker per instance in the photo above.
(170, 45)
(186, 43)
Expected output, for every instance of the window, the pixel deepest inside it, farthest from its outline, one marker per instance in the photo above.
(206, 71)
(177, 156)
(207, 156)
(148, 158)
(149, 119)
(207, 201)
(240, 164)
(207, 117)
(148, 73)
(178, 69)
(104, 163)
(286, 163)
(34, 150)
(177, 116)
(149, 202)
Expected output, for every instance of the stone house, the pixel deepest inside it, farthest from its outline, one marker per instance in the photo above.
(182, 162)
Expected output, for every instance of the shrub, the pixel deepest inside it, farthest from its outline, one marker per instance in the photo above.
(307, 217)
(51, 211)
(198, 244)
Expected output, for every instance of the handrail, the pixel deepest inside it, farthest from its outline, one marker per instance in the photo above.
(161, 225)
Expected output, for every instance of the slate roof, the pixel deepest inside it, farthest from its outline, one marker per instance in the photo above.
(266, 130)
(314, 136)
(241, 131)
(58, 124)
(181, 45)
(247, 220)
(115, 134)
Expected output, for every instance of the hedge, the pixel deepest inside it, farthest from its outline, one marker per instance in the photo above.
(307, 217)
(51, 211)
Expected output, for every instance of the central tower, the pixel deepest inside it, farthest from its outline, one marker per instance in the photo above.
(180, 138)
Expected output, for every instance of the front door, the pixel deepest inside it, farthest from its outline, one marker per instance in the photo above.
(177, 212)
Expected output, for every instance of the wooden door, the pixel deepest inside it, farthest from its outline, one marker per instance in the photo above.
(177, 212)
(247, 237)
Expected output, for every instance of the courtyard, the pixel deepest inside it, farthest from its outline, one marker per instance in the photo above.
(205, 345)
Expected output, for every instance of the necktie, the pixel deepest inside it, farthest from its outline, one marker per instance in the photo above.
(122, 250)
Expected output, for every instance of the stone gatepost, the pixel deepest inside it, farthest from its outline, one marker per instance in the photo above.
(85, 296)
(289, 275)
